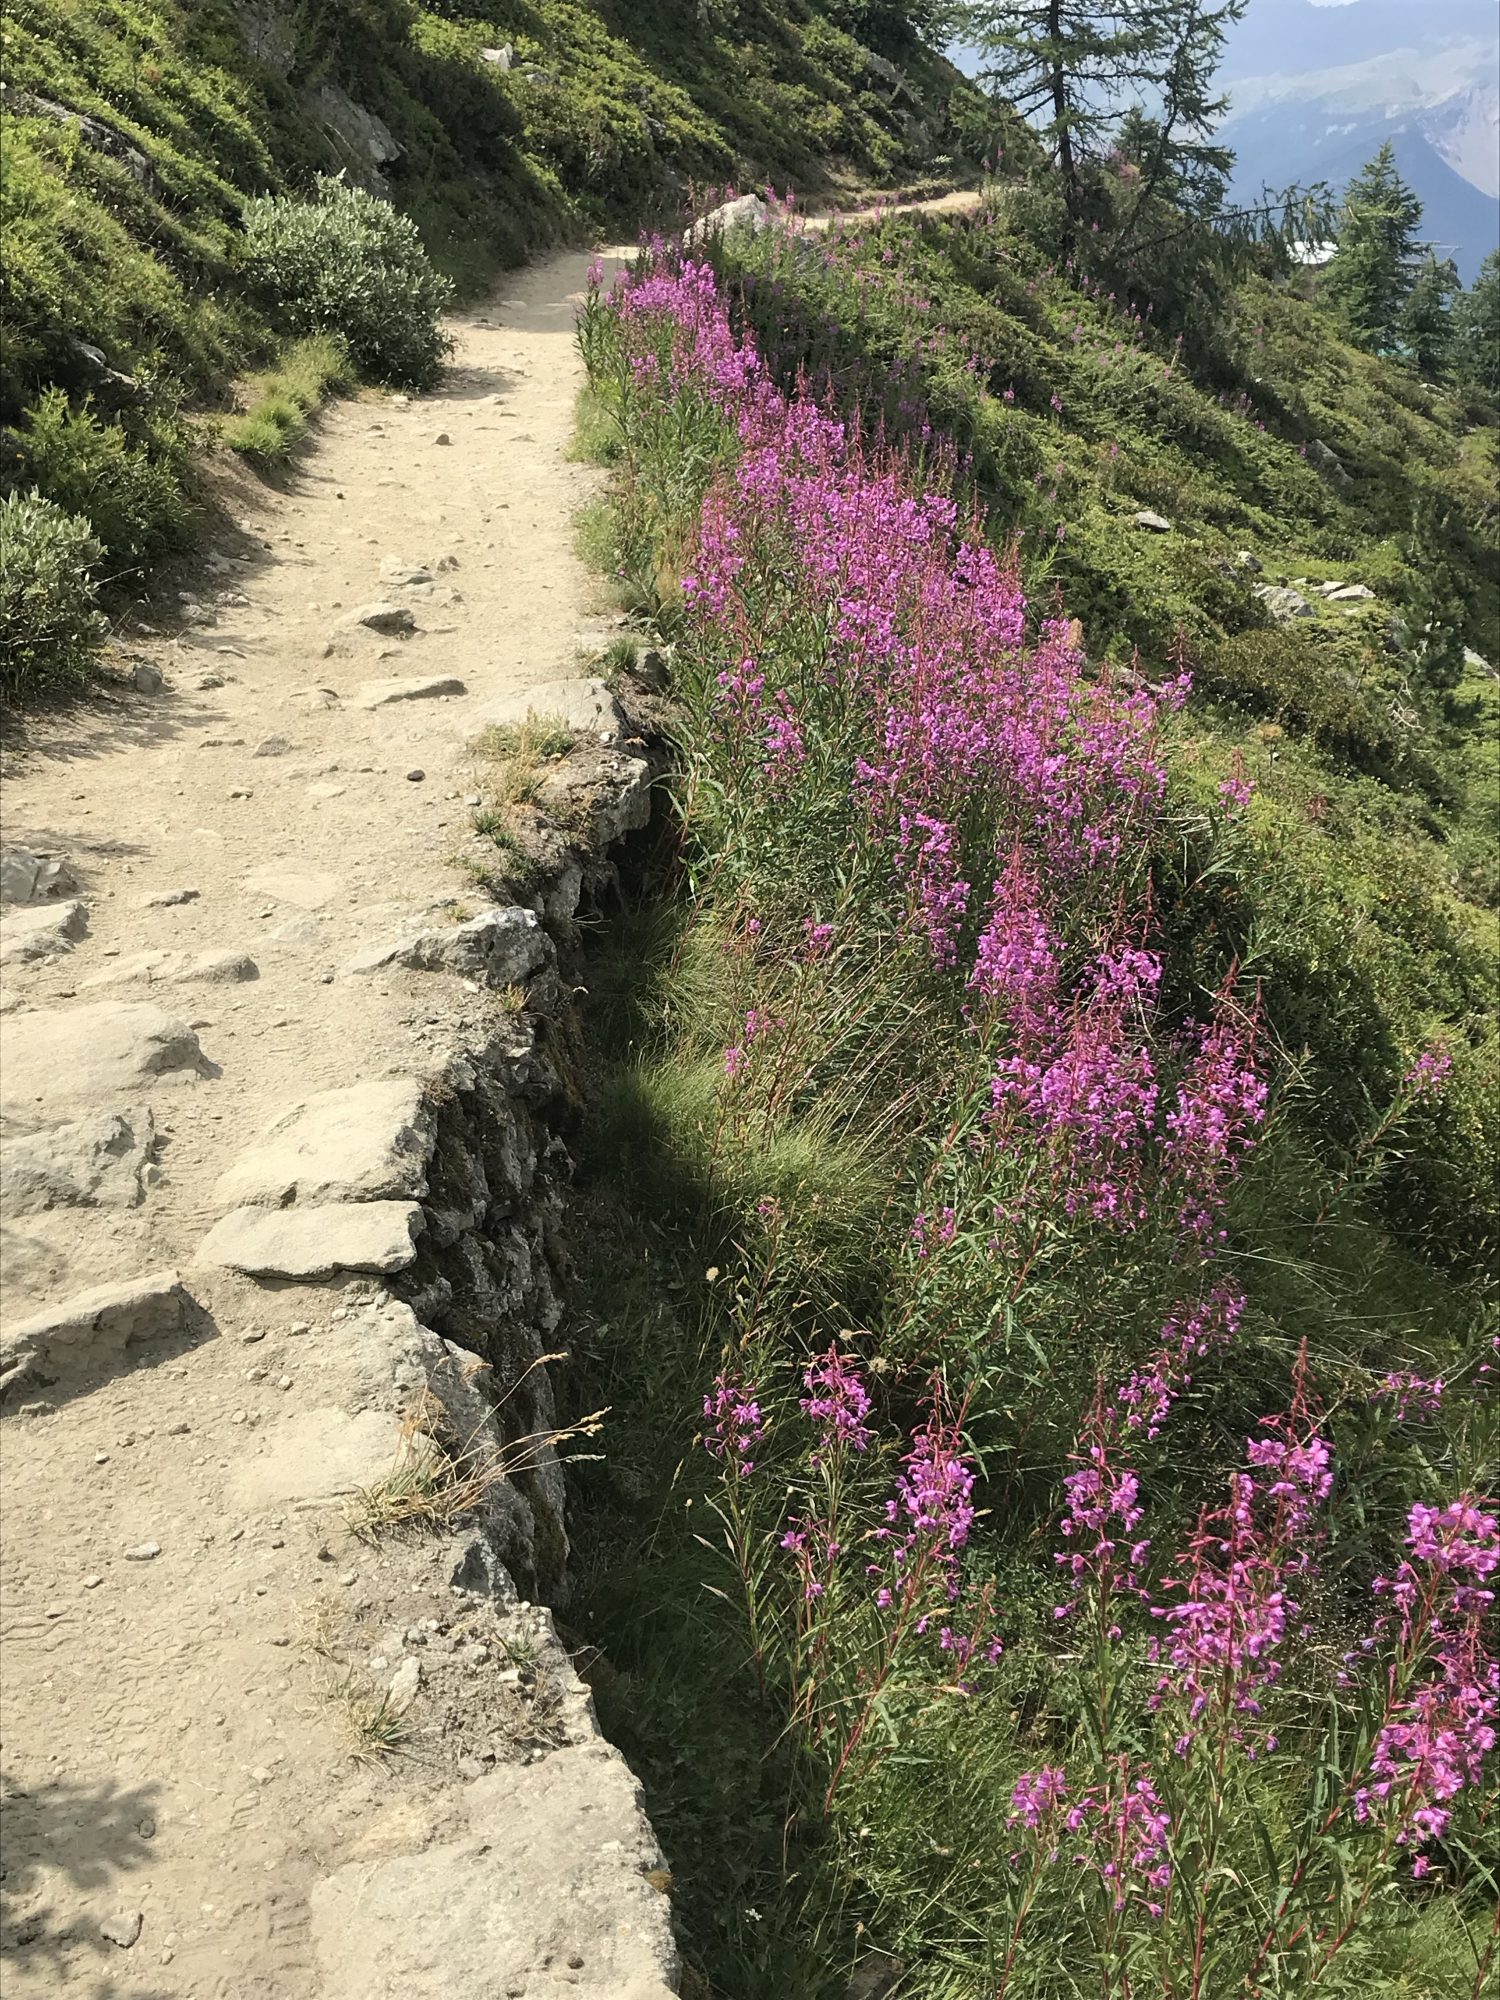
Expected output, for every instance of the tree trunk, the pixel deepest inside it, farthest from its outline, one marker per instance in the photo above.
(1065, 161)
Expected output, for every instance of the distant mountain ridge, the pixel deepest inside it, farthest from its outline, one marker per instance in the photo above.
(1316, 90)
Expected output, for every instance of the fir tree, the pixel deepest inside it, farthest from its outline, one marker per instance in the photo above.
(1476, 329)
(1427, 316)
(1373, 272)
(1072, 66)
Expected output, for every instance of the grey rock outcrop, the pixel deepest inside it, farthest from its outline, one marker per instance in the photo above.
(1158, 524)
(1283, 604)
(497, 948)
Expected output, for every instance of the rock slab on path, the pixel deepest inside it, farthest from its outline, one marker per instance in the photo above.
(545, 1894)
(367, 1142)
(92, 1055)
(42, 931)
(92, 1326)
(381, 694)
(315, 1242)
(498, 948)
(98, 1162)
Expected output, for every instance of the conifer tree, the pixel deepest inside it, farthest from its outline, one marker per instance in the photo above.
(1374, 268)
(1072, 66)
(1427, 316)
(1476, 329)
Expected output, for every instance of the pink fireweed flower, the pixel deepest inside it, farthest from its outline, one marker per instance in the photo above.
(838, 1401)
(1102, 1512)
(1443, 1680)
(735, 1424)
(1237, 1577)
(1413, 1395)
(1123, 1833)
(1238, 788)
(1186, 1338)
(1430, 1071)
(1036, 1796)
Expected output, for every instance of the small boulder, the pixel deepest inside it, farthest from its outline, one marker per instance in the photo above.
(391, 620)
(1283, 604)
(1158, 524)
(315, 1242)
(1349, 593)
(1248, 562)
(44, 931)
(31, 878)
(746, 215)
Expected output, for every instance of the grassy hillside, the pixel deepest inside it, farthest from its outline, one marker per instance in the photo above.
(134, 133)
(1046, 1166)
(1368, 729)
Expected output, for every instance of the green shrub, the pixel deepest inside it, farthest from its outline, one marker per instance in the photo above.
(348, 263)
(130, 487)
(49, 625)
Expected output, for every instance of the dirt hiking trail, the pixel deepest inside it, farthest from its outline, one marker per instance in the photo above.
(192, 1639)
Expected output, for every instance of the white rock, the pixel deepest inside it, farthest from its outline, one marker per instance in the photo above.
(317, 1241)
(405, 1683)
(370, 1141)
(91, 1326)
(98, 1054)
(553, 1865)
(380, 694)
(1349, 593)
(31, 878)
(498, 948)
(584, 707)
(1157, 523)
(44, 931)
(103, 1161)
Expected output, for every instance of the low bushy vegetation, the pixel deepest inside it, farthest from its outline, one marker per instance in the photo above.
(1043, 1169)
(345, 263)
(49, 617)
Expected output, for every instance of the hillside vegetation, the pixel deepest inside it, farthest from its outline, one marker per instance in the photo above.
(1049, 1153)
(134, 136)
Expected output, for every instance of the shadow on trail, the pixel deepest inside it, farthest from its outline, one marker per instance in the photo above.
(92, 1837)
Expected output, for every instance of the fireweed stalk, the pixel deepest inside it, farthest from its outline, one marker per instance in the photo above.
(877, 727)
